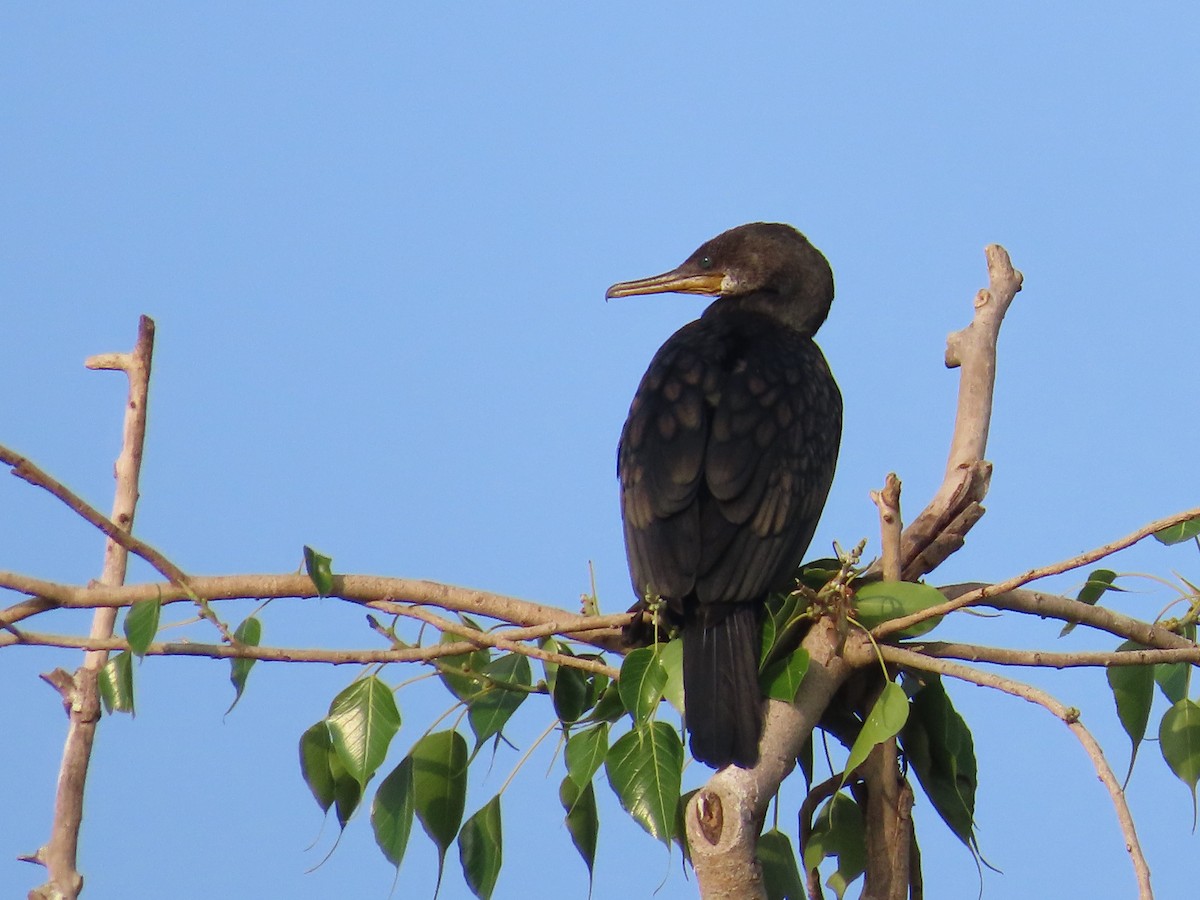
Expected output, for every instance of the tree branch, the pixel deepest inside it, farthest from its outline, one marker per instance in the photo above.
(1003, 656)
(942, 523)
(80, 694)
(991, 591)
(373, 591)
(1066, 609)
(1069, 716)
(502, 642)
(331, 657)
(887, 500)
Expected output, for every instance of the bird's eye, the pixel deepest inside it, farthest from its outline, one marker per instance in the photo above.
(706, 262)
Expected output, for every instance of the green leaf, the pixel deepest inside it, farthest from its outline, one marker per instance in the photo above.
(782, 679)
(363, 719)
(1176, 534)
(783, 628)
(316, 747)
(141, 624)
(392, 812)
(1133, 691)
(781, 874)
(817, 573)
(598, 684)
(681, 809)
(440, 787)
(884, 721)
(569, 689)
(583, 821)
(460, 673)
(642, 681)
(1179, 739)
(494, 705)
(116, 683)
(585, 753)
(1172, 680)
(248, 633)
(644, 769)
(805, 759)
(610, 707)
(939, 747)
(481, 849)
(320, 570)
(838, 831)
(347, 792)
(670, 655)
(1097, 583)
(879, 601)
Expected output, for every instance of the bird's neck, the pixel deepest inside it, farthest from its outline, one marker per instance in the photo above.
(803, 315)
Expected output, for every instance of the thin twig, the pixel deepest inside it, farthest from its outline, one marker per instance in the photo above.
(1066, 565)
(26, 470)
(488, 639)
(818, 793)
(1003, 656)
(292, 654)
(1068, 716)
(118, 537)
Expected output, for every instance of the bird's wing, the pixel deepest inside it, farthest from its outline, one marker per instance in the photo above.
(660, 462)
(725, 462)
(771, 453)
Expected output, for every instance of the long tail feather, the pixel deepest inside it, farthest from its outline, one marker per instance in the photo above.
(720, 682)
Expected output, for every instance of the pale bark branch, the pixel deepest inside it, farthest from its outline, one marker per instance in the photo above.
(333, 656)
(891, 527)
(1066, 609)
(502, 642)
(1004, 656)
(386, 595)
(81, 696)
(1068, 716)
(939, 529)
(984, 592)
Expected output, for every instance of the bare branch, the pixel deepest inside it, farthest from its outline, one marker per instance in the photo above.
(331, 657)
(973, 350)
(993, 590)
(1066, 609)
(375, 592)
(887, 500)
(1003, 656)
(1069, 716)
(60, 853)
(501, 642)
(26, 470)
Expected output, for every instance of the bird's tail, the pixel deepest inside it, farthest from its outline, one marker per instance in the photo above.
(724, 709)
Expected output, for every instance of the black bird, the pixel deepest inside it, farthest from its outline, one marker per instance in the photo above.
(725, 462)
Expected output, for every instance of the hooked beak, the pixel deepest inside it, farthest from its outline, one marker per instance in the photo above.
(675, 281)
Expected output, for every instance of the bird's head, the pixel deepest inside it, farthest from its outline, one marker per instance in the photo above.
(767, 267)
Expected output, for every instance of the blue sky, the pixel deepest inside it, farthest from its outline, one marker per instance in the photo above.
(376, 240)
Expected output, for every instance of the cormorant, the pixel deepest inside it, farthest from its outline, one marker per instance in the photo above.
(725, 462)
